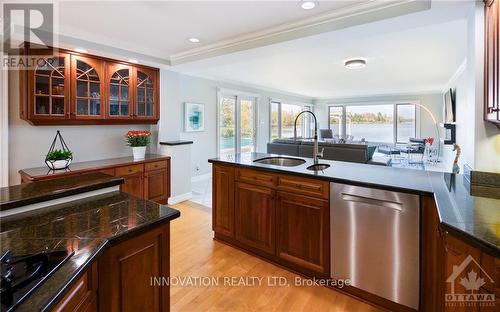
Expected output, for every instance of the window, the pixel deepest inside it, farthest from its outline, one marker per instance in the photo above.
(275, 117)
(405, 123)
(282, 118)
(375, 123)
(336, 119)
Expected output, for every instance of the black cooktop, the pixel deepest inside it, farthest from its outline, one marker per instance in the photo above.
(20, 275)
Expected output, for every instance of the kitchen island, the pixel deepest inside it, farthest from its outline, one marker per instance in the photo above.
(113, 243)
(283, 214)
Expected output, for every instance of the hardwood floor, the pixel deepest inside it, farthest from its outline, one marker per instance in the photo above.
(195, 254)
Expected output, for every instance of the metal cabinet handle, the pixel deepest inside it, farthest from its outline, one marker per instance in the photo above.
(371, 201)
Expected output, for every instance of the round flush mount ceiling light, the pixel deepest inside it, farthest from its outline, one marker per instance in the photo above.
(194, 40)
(355, 63)
(307, 4)
(80, 50)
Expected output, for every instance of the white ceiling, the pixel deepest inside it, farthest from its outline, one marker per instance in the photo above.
(412, 53)
(160, 28)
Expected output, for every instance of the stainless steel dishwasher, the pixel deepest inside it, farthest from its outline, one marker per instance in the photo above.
(375, 241)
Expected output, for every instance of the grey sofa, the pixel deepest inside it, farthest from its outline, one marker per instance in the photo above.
(359, 153)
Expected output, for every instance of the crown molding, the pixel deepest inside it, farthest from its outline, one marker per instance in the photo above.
(359, 13)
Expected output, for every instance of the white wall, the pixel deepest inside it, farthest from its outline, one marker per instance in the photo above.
(28, 144)
(204, 91)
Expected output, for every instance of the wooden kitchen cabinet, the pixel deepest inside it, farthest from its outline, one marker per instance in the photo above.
(72, 88)
(223, 200)
(491, 62)
(133, 185)
(147, 179)
(126, 269)
(255, 215)
(156, 185)
(82, 296)
(87, 87)
(45, 89)
(302, 229)
(252, 211)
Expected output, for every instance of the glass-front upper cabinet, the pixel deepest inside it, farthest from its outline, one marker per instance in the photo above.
(145, 103)
(87, 87)
(119, 98)
(49, 82)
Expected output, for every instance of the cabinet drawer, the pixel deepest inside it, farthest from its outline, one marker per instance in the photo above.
(155, 165)
(256, 177)
(127, 170)
(304, 186)
(108, 171)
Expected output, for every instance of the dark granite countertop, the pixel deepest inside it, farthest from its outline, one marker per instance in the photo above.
(85, 226)
(176, 142)
(30, 193)
(78, 167)
(474, 218)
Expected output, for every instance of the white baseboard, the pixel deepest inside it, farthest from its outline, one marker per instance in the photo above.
(201, 177)
(179, 198)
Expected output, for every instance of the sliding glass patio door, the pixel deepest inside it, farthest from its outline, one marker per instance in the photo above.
(237, 126)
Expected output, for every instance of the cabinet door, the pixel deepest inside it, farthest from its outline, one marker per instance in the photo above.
(87, 81)
(119, 93)
(255, 216)
(491, 62)
(126, 269)
(146, 98)
(303, 231)
(133, 184)
(223, 200)
(156, 186)
(456, 254)
(82, 296)
(48, 87)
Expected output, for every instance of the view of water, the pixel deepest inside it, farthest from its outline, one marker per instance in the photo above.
(371, 133)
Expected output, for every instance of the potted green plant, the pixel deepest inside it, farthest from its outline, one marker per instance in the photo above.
(138, 140)
(58, 159)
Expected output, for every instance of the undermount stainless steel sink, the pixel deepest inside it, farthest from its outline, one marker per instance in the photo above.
(318, 167)
(280, 161)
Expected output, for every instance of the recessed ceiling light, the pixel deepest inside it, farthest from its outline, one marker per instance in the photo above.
(355, 63)
(307, 4)
(133, 61)
(81, 50)
(194, 40)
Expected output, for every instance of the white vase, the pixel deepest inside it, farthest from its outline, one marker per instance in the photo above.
(139, 152)
(58, 164)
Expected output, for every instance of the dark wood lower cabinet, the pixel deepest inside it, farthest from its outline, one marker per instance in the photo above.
(303, 232)
(148, 179)
(251, 211)
(223, 200)
(255, 215)
(133, 185)
(126, 269)
(155, 184)
(82, 296)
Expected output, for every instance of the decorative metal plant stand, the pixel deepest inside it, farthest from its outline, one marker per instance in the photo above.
(61, 163)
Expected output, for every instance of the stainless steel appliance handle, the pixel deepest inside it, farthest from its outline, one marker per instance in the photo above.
(372, 201)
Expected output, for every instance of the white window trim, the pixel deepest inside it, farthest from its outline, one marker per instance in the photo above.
(4, 126)
(394, 103)
(221, 92)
